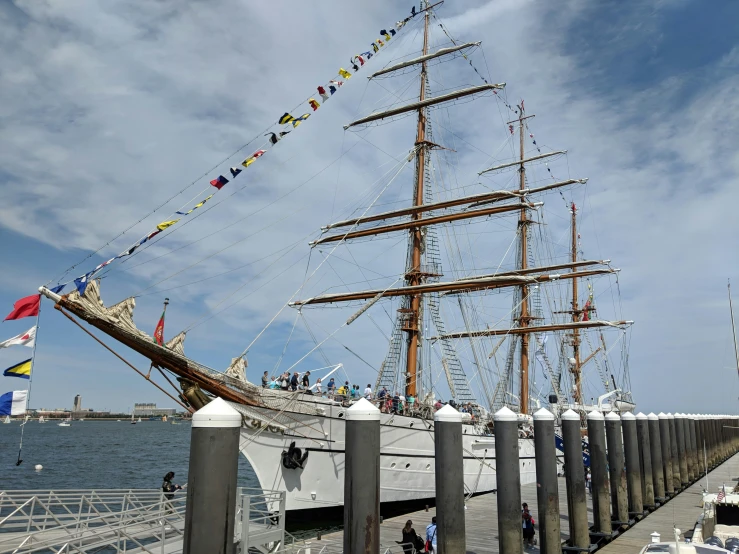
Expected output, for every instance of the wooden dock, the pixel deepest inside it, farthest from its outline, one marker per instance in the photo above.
(482, 521)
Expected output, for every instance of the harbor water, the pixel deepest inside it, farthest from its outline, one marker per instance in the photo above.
(98, 454)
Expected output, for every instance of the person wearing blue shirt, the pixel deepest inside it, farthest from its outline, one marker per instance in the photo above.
(431, 534)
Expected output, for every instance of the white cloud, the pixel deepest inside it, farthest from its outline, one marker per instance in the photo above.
(109, 109)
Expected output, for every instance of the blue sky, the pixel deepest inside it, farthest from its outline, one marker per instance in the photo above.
(110, 109)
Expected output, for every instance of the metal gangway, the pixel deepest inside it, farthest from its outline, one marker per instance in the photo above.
(131, 521)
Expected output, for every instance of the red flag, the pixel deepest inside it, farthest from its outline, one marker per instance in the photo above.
(25, 307)
(586, 310)
(159, 331)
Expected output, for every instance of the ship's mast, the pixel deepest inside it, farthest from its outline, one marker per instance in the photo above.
(414, 275)
(576, 367)
(733, 329)
(523, 319)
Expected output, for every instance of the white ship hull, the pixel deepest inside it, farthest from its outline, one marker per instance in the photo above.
(407, 457)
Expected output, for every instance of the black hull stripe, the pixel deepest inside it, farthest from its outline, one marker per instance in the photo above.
(428, 456)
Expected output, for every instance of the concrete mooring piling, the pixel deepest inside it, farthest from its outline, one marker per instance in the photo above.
(601, 492)
(577, 509)
(362, 479)
(713, 454)
(449, 469)
(645, 461)
(682, 451)
(655, 449)
(711, 442)
(210, 514)
(508, 474)
(664, 437)
(700, 432)
(697, 444)
(690, 447)
(676, 483)
(617, 470)
(547, 488)
(633, 465)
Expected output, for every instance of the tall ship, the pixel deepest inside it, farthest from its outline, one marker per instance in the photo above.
(480, 295)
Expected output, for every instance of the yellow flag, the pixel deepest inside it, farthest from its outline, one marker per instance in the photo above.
(203, 202)
(164, 224)
(344, 73)
(22, 370)
(248, 161)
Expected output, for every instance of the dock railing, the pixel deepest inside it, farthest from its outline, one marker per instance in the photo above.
(134, 521)
(75, 521)
(260, 521)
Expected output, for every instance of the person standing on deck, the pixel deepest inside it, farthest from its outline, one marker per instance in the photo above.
(265, 380)
(368, 392)
(294, 382)
(306, 382)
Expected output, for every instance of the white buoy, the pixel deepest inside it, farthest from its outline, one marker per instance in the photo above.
(38, 467)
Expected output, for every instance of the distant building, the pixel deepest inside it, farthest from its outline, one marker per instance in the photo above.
(77, 406)
(150, 409)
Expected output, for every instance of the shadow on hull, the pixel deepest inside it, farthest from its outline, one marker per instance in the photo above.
(305, 523)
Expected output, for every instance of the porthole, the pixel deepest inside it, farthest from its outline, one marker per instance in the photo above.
(341, 414)
(392, 465)
(428, 466)
(411, 424)
(407, 466)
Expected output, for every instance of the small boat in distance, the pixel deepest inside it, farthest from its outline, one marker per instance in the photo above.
(133, 421)
(41, 419)
(7, 419)
(65, 423)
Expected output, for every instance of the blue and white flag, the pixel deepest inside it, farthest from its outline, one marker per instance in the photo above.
(13, 403)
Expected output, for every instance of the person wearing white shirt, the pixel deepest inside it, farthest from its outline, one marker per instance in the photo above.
(368, 392)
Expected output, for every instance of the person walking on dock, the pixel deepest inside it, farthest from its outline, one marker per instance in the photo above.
(431, 536)
(169, 488)
(411, 541)
(528, 525)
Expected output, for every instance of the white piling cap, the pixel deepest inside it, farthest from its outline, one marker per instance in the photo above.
(505, 414)
(662, 415)
(363, 410)
(628, 416)
(543, 415)
(571, 415)
(652, 416)
(670, 416)
(679, 416)
(595, 415)
(641, 416)
(611, 416)
(447, 413)
(217, 413)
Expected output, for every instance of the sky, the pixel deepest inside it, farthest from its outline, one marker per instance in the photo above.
(116, 114)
